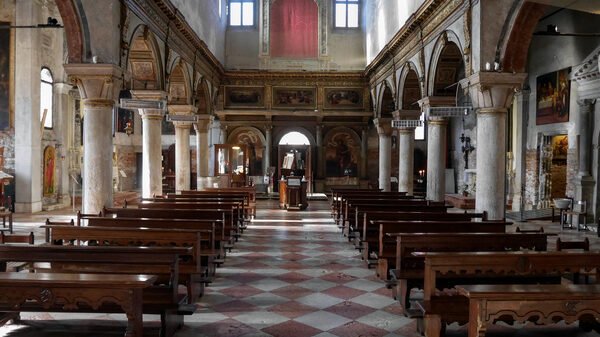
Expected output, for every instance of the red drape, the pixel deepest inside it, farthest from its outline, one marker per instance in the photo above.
(294, 28)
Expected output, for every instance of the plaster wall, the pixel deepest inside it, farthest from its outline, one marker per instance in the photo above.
(383, 19)
(242, 48)
(206, 20)
(103, 29)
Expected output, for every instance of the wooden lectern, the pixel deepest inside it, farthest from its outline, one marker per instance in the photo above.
(292, 193)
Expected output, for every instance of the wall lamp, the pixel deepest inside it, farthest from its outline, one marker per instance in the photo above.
(50, 23)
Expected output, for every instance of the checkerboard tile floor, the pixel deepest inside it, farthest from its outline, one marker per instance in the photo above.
(292, 274)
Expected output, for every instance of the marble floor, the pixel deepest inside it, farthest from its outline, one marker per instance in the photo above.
(292, 274)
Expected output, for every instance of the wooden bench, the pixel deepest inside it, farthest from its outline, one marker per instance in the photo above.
(339, 196)
(544, 304)
(445, 270)
(192, 273)
(384, 242)
(211, 251)
(249, 194)
(118, 269)
(409, 271)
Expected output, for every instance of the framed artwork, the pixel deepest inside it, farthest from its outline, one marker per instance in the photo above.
(343, 98)
(49, 162)
(4, 77)
(553, 97)
(244, 97)
(295, 98)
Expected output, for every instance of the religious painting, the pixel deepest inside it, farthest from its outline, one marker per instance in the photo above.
(295, 98)
(343, 98)
(552, 97)
(49, 165)
(560, 147)
(125, 120)
(255, 147)
(244, 97)
(342, 153)
(4, 78)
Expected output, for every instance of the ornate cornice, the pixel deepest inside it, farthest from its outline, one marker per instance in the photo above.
(588, 69)
(162, 17)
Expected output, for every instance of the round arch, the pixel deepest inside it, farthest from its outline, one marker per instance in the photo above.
(385, 102)
(143, 60)
(444, 40)
(512, 51)
(243, 133)
(202, 97)
(179, 83)
(73, 31)
(408, 81)
(300, 129)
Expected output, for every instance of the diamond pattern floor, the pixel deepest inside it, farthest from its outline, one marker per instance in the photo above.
(292, 274)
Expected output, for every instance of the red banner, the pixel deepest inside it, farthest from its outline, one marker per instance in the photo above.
(294, 28)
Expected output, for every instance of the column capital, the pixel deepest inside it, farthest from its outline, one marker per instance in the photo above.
(586, 104)
(435, 101)
(493, 89)
(268, 127)
(406, 130)
(150, 95)
(95, 81)
(202, 124)
(181, 110)
(384, 126)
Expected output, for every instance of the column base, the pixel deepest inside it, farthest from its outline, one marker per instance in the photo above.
(28, 207)
(584, 190)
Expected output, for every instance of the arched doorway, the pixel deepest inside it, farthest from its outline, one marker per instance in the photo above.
(294, 157)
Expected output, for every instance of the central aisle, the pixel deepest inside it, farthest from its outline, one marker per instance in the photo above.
(292, 274)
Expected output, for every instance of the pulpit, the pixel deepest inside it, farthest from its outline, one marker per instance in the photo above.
(292, 194)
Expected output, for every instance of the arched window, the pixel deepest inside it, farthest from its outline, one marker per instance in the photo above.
(294, 138)
(46, 97)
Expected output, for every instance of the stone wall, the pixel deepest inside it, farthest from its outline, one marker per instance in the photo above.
(572, 170)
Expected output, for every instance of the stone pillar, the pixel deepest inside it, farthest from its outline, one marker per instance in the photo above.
(96, 84)
(436, 158)
(182, 146)
(151, 142)
(202, 153)
(63, 118)
(521, 110)
(384, 129)
(28, 151)
(267, 150)
(584, 182)
(406, 150)
(364, 153)
(492, 93)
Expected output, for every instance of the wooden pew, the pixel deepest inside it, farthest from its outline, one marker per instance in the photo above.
(569, 302)
(349, 202)
(97, 279)
(384, 242)
(364, 216)
(211, 250)
(409, 268)
(443, 270)
(237, 220)
(192, 273)
(248, 193)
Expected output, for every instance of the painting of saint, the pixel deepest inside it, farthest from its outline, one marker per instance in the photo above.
(49, 165)
(552, 97)
(341, 156)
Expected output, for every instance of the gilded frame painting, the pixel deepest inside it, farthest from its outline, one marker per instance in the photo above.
(237, 97)
(344, 98)
(295, 98)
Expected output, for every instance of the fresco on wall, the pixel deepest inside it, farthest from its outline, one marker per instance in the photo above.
(4, 77)
(342, 98)
(244, 97)
(300, 98)
(342, 155)
(49, 165)
(552, 97)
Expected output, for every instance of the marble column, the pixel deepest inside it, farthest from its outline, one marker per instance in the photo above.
(96, 84)
(384, 130)
(436, 158)
(151, 142)
(28, 151)
(62, 126)
(491, 93)
(182, 146)
(406, 151)
(364, 153)
(202, 151)
(267, 149)
(584, 182)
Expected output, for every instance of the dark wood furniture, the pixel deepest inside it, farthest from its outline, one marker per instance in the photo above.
(292, 193)
(7, 214)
